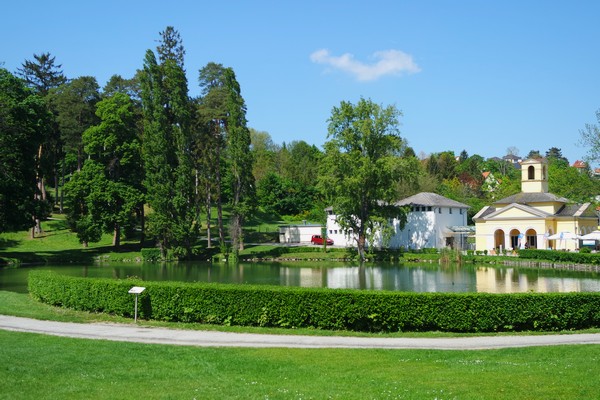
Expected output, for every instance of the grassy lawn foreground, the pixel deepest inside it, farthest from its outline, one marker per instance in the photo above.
(37, 366)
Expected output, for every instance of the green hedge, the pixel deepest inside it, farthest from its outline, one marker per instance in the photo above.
(374, 311)
(560, 256)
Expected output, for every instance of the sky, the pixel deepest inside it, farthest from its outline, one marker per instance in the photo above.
(481, 76)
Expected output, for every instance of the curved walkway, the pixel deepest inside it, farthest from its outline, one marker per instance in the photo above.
(134, 333)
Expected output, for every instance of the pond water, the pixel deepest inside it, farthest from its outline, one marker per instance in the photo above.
(381, 276)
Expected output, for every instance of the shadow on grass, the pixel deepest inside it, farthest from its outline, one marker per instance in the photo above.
(83, 255)
(8, 243)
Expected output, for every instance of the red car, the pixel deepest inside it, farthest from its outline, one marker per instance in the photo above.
(318, 239)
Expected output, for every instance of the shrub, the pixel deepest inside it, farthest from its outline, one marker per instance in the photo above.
(151, 254)
(375, 311)
(560, 256)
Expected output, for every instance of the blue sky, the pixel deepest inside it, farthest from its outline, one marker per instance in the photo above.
(476, 75)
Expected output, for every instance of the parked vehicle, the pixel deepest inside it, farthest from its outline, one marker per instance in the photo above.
(318, 239)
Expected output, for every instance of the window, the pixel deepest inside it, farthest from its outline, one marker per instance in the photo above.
(531, 172)
(450, 212)
(462, 211)
(440, 210)
(330, 231)
(429, 208)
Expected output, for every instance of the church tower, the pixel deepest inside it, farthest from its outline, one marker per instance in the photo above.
(534, 176)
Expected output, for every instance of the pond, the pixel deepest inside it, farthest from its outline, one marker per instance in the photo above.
(380, 276)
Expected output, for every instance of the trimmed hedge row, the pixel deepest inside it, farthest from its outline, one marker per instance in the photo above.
(335, 309)
(560, 256)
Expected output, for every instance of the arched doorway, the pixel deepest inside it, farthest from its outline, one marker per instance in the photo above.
(499, 239)
(531, 236)
(514, 238)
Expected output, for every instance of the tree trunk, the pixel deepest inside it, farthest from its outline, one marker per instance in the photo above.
(60, 208)
(117, 236)
(219, 200)
(208, 216)
(142, 225)
(361, 246)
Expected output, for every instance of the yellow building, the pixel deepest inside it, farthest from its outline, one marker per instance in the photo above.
(528, 218)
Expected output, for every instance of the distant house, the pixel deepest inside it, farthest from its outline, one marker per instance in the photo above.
(528, 218)
(580, 165)
(514, 160)
(490, 183)
(433, 221)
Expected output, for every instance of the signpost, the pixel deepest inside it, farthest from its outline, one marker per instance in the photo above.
(136, 290)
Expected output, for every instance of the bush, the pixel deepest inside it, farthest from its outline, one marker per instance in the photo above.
(151, 254)
(374, 311)
(560, 256)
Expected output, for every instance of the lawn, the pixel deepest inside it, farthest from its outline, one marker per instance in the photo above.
(38, 366)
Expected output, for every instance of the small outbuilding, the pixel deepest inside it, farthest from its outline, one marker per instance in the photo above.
(301, 233)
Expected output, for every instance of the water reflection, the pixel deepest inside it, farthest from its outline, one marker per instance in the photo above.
(394, 277)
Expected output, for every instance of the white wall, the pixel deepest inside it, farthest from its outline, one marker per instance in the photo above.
(298, 233)
(423, 229)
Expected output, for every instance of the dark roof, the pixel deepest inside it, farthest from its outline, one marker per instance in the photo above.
(569, 210)
(430, 199)
(530, 198)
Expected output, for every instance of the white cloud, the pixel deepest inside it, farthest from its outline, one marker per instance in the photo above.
(388, 62)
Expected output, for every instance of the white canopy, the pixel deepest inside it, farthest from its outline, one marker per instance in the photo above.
(564, 236)
(595, 235)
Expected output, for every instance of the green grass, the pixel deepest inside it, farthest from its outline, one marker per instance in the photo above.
(37, 366)
(58, 244)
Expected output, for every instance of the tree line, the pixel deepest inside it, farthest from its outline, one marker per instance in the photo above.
(142, 155)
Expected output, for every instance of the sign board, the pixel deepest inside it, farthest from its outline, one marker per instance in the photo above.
(137, 290)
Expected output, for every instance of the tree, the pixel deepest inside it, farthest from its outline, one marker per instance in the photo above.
(302, 165)
(212, 113)
(169, 179)
(361, 165)
(24, 121)
(118, 84)
(590, 137)
(264, 152)
(533, 154)
(555, 154)
(239, 160)
(110, 196)
(75, 105)
(571, 183)
(41, 74)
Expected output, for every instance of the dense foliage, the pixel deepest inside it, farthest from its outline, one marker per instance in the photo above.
(354, 310)
(24, 120)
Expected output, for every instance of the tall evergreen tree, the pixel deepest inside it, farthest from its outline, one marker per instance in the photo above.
(167, 148)
(239, 160)
(212, 115)
(42, 75)
(24, 120)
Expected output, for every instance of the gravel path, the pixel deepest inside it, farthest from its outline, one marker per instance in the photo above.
(134, 333)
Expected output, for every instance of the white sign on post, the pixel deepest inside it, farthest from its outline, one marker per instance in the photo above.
(136, 290)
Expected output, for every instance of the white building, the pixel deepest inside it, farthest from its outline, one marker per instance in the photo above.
(298, 233)
(433, 221)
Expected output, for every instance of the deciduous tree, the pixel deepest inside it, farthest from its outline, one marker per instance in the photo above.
(361, 165)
